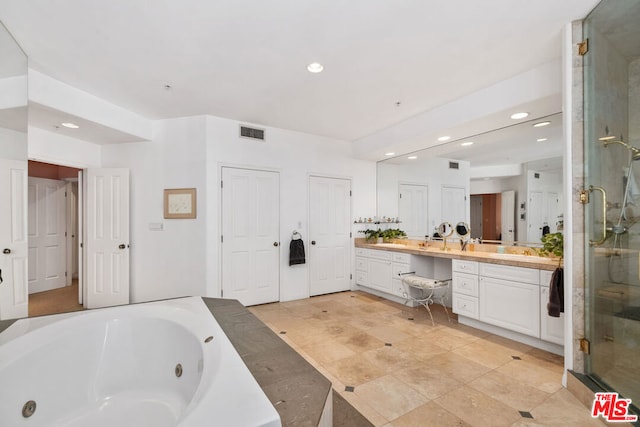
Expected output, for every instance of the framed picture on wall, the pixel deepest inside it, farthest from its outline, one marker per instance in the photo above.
(180, 203)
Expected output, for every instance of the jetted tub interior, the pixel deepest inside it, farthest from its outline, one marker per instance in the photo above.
(157, 364)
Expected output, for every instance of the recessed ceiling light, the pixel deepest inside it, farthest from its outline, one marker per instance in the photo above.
(389, 154)
(70, 125)
(315, 67)
(444, 138)
(467, 143)
(518, 116)
(541, 124)
(541, 139)
(606, 138)
(412, 157)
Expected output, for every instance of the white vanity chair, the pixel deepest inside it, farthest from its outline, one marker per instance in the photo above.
(423, 291)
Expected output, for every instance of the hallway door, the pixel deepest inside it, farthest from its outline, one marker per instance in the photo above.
(508, 214)
(329, 234)
(250, 235)
(47, 234)
(106, 237)
(13, 239)
(413, 209)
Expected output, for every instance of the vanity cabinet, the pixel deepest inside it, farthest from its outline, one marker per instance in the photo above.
(551, 328)
(382, 270)
(510, 305)
(464, 286)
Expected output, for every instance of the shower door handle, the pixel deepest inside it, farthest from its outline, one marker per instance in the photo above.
(604, 216)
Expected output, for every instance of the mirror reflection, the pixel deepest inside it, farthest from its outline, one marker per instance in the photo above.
(506, 184)
(13, 177)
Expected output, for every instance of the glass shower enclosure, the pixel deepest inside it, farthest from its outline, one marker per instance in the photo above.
(612, 171)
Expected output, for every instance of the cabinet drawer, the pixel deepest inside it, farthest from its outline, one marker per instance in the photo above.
(362, 252)
(384, 255)
(462, 266)
(399, 257)
(465, 284)
(398, 269)
(362, 278)
(361, 263)
(545, 277)
(507, 272)
(465, 305)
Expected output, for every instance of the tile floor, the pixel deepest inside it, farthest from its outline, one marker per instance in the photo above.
(399, 372)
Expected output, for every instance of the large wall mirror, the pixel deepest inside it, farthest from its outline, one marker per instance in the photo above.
(506, 184)
(13, 177)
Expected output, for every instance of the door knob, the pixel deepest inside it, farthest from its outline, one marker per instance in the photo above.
(121, 246)
(313, 242)
(275, 243)
(6, 251)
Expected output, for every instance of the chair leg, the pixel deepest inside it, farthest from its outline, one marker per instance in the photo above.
(445, 309)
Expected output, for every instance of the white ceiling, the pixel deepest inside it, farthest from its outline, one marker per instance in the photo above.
(246, 59)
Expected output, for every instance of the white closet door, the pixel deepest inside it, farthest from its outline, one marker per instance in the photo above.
(413, 206)
(329, 234)
(508, 215)
(47, 234)
(454, 205)
(250, 235)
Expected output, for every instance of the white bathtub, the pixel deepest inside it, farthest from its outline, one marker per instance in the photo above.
(118, 367)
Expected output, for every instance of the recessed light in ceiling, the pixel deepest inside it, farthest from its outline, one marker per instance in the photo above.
(412, 157)
(444, 138)
(70, 125)
(389, 154)
(315, 67)
(541, 124)
(541, 139)
(467, 143)
(518, 116)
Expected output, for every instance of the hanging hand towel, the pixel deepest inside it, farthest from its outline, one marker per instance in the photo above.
(556, 293)
(296, 252)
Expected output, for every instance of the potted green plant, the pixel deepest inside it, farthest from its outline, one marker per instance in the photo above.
(552, 245)
(372, 235)
(393, 233)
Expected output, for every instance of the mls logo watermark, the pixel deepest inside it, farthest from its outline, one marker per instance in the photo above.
(613, 408)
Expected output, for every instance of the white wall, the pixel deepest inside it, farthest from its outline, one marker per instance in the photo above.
(51, 147)
(295, 155)
(13, 144)
(171, 262)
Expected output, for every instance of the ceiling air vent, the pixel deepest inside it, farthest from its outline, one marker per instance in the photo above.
(454, 165)
(253, 133)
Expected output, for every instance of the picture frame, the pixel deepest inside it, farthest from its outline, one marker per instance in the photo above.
(180, 203)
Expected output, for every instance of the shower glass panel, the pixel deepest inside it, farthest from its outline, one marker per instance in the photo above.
(612, 168)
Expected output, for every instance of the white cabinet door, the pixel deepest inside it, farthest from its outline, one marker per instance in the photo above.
(380, 274)
(551, 328)
(510, 305)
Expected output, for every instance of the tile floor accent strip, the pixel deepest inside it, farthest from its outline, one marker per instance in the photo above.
(525, 414)
(349, 388)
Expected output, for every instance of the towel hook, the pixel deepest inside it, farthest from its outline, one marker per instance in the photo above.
(295, 235)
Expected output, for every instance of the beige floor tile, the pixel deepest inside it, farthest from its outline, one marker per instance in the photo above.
(563, 409)
(487, 353)
(533, 375)
(517, 348)
(420, 347)
(546, 360)
(518, 395)
(428, 415)
(393, 397)
(457, 367)
(477, 409)
(360, 341)
(389, 359)
(387, 334)
(327, 351)
(354, 370)
(448, 340)
(427, 381)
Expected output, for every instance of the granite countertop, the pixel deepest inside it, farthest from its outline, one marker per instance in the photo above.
(516, 260)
